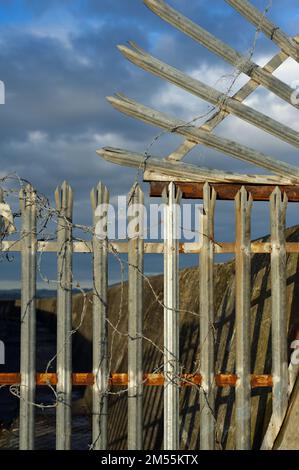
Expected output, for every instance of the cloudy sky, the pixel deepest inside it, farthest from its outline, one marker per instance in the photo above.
(58, 60)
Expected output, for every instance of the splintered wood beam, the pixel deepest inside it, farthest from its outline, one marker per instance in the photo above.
(229, 147)
(173, 170)
(270, 29)
(219, 116)
(241, 62)
(162, 70)
(226, 192)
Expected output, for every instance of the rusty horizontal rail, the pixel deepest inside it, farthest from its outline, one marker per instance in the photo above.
(121, 380)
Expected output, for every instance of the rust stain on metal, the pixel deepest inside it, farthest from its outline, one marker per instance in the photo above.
(226, 191)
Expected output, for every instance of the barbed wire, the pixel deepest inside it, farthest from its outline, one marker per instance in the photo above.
(46, 215)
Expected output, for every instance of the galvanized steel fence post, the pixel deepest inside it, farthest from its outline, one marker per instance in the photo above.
(278, 206)
(171, 318)
(28, 317)
(100, 201)
(135, 318)
(243, 203)
(64, 204)
(207, 363)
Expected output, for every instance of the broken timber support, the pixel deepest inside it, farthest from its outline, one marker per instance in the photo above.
(271, 30)
(229, 147)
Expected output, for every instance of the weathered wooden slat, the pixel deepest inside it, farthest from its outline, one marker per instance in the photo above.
(243, 63)
(149, 380)
(100, 198)
(28, 317)
(243, 299)
(278, 207)
(135, 318)
(206, 305)
(241, 95)
(174, 171)
(265, 25)
(229, 147)
(64, 204)
(226, 192)
(171, 319)
(186, 248)
(149, 63)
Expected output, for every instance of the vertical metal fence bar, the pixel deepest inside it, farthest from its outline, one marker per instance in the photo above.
(171, 319)
(243, 203)
(28, 317)
(2, 225)
(207, 392)
(278, 206)
(64, 203)
(135, 316)
(100, 201)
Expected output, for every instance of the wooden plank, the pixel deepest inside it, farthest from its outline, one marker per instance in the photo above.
(243, 203)
(28, 317)
(171, 198)
(278, 207)
(64, 204)
(218, 47)
(226, 191)
(171, 124)
(218, 117)
(264, 24)
(206, 310)
(135, 317)
(225, 103)
(100, 197)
